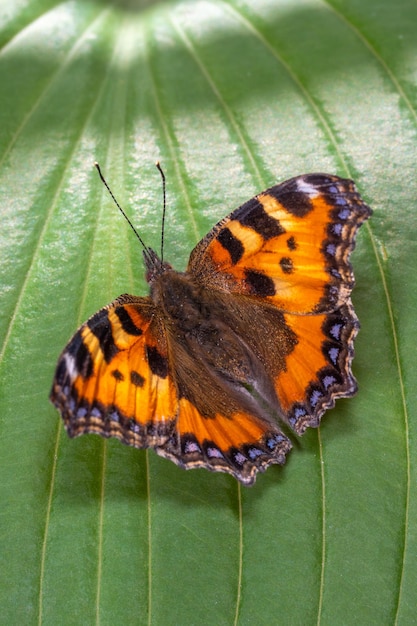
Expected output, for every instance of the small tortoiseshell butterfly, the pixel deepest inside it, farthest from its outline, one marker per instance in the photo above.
(260, 326)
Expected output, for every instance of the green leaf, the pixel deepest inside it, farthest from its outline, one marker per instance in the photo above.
(231, 96)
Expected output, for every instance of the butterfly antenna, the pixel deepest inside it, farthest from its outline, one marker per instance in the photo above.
(158, 165)
(103, 180)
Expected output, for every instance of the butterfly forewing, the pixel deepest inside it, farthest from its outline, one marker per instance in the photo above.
(289, 245)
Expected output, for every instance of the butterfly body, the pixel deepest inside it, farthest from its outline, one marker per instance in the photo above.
(259, 328)
(214, 358)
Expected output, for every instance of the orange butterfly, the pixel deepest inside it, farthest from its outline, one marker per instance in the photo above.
(260, 326)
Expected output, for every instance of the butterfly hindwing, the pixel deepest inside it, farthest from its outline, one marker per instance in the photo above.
(239, 443)
(318, 370)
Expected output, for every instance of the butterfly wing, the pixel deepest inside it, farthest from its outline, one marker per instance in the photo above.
(237, 443)
(289, 245)
(318, 369)
(289, 248)
(113, 377)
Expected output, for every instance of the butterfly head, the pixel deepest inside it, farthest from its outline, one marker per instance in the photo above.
(154, 265)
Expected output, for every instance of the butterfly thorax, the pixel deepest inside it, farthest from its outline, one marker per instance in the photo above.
(182, 301)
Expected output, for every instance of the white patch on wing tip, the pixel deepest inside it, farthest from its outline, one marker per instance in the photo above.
(71, 367)
(305, 187)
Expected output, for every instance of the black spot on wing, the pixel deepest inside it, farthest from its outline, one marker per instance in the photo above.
(117, 374)
(126, 321)
(157, 362)
(81, 355)
(296, 203)
(259, 284)
(136, 379)
(232, 244)
(287, 265)
(291, 198)
(291, 243)
(259, 220)
(100, 326)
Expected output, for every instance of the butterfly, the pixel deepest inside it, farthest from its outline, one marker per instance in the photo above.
(219, 363)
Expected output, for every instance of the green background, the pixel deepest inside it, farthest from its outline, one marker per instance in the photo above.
(232, 97)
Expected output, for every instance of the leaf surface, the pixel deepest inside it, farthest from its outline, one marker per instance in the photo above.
(231, 96)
